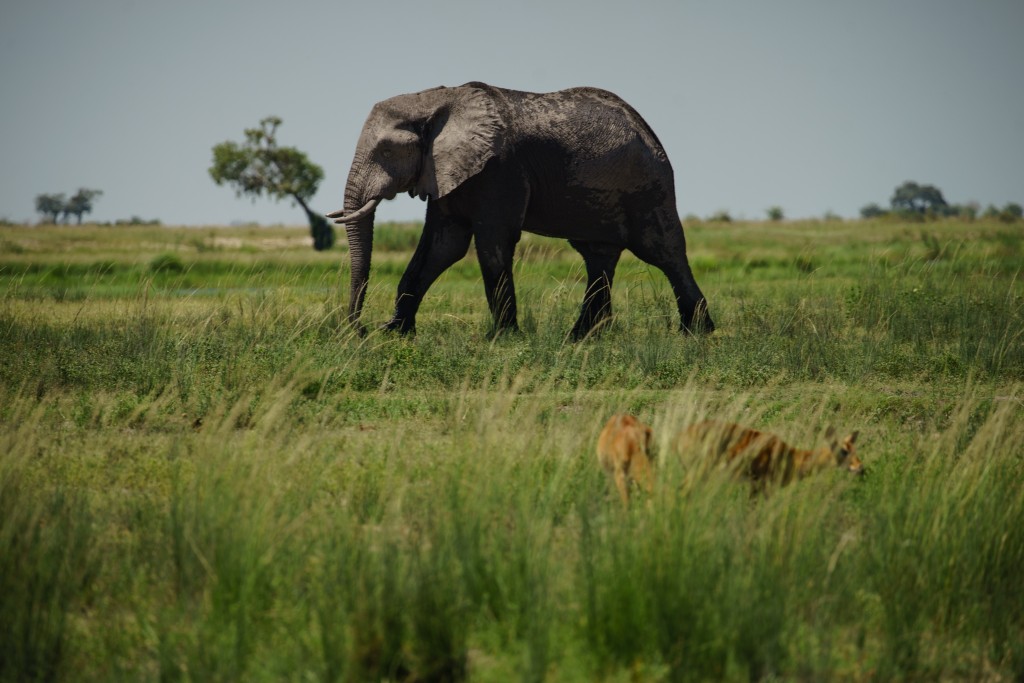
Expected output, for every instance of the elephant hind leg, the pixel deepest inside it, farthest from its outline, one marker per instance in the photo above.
(664, 247)
(600, 260)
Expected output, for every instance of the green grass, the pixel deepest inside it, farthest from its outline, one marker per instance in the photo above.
(204, 475)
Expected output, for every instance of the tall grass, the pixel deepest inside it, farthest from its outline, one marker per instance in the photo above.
(236, 487)
(495, 549)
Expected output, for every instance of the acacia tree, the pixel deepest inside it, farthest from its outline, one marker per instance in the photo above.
(50, 205)
(259, 167)
(918, 199)
(81, 203)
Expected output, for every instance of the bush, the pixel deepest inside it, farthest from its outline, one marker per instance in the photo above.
(872, 210)
(967, 212)
(167, 263)
(775, 213)
(1011, 212)
(136, 220)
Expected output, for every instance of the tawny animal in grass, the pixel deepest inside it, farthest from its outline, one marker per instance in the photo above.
(624, 450)
(765, 458)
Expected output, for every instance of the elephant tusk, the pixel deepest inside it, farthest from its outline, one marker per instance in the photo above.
(340, 218)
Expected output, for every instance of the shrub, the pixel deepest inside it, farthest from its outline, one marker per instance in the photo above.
(1011, 212)
(872, 210)
(166, 263)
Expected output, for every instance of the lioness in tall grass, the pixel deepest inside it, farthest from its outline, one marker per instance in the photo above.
(624, 450)
(763, 458)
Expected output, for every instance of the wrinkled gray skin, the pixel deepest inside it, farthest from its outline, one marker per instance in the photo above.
(579, 164)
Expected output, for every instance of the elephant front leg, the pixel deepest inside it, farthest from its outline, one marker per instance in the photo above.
(601, 260)
(495, 255)
(442, 243)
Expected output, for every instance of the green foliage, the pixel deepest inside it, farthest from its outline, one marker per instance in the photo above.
(1011, 212)
(775, 213)
(873, 210)
(722, 216)
(911, 197)
(166, 263)
(81, 203)
(259, 167)
(967, 212)
(137, 220)
(51, 206)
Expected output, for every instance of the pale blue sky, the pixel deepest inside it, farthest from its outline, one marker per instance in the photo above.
(813, 105)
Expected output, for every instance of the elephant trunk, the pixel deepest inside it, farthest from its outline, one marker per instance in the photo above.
(357, 216)
(360, 249)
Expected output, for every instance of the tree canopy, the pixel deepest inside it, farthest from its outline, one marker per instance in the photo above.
(81, 203)
(50, 205)
(915, 198)
(259, 167)
(53, 206)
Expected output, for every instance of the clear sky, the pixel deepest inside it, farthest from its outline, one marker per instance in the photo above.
(812, 105)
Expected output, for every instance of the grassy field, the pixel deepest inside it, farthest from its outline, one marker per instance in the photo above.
(204, 475)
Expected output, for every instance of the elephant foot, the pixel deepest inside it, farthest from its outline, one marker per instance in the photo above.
(700, 322)
(358, 328)
(585, 328)
(698, 327)
(506, 330)
(401, 326)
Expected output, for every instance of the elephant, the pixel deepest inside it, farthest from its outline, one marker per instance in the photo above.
(579, 164)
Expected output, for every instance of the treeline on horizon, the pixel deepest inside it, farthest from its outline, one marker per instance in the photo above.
(910, 201)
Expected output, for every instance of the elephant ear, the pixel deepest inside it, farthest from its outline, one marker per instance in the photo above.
(462, 138)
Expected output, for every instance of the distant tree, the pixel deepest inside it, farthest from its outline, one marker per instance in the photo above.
(51, 206)
(259, 167)
(990, 212)
(775, 213)
(913, 198)
(137, 220)
(872, 211)
(967, 212)
(720, 217)
(81, 203)
(1011, 212)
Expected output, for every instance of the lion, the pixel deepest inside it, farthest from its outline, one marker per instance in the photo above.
(625, 451)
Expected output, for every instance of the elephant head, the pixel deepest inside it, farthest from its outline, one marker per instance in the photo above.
(426, 144)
